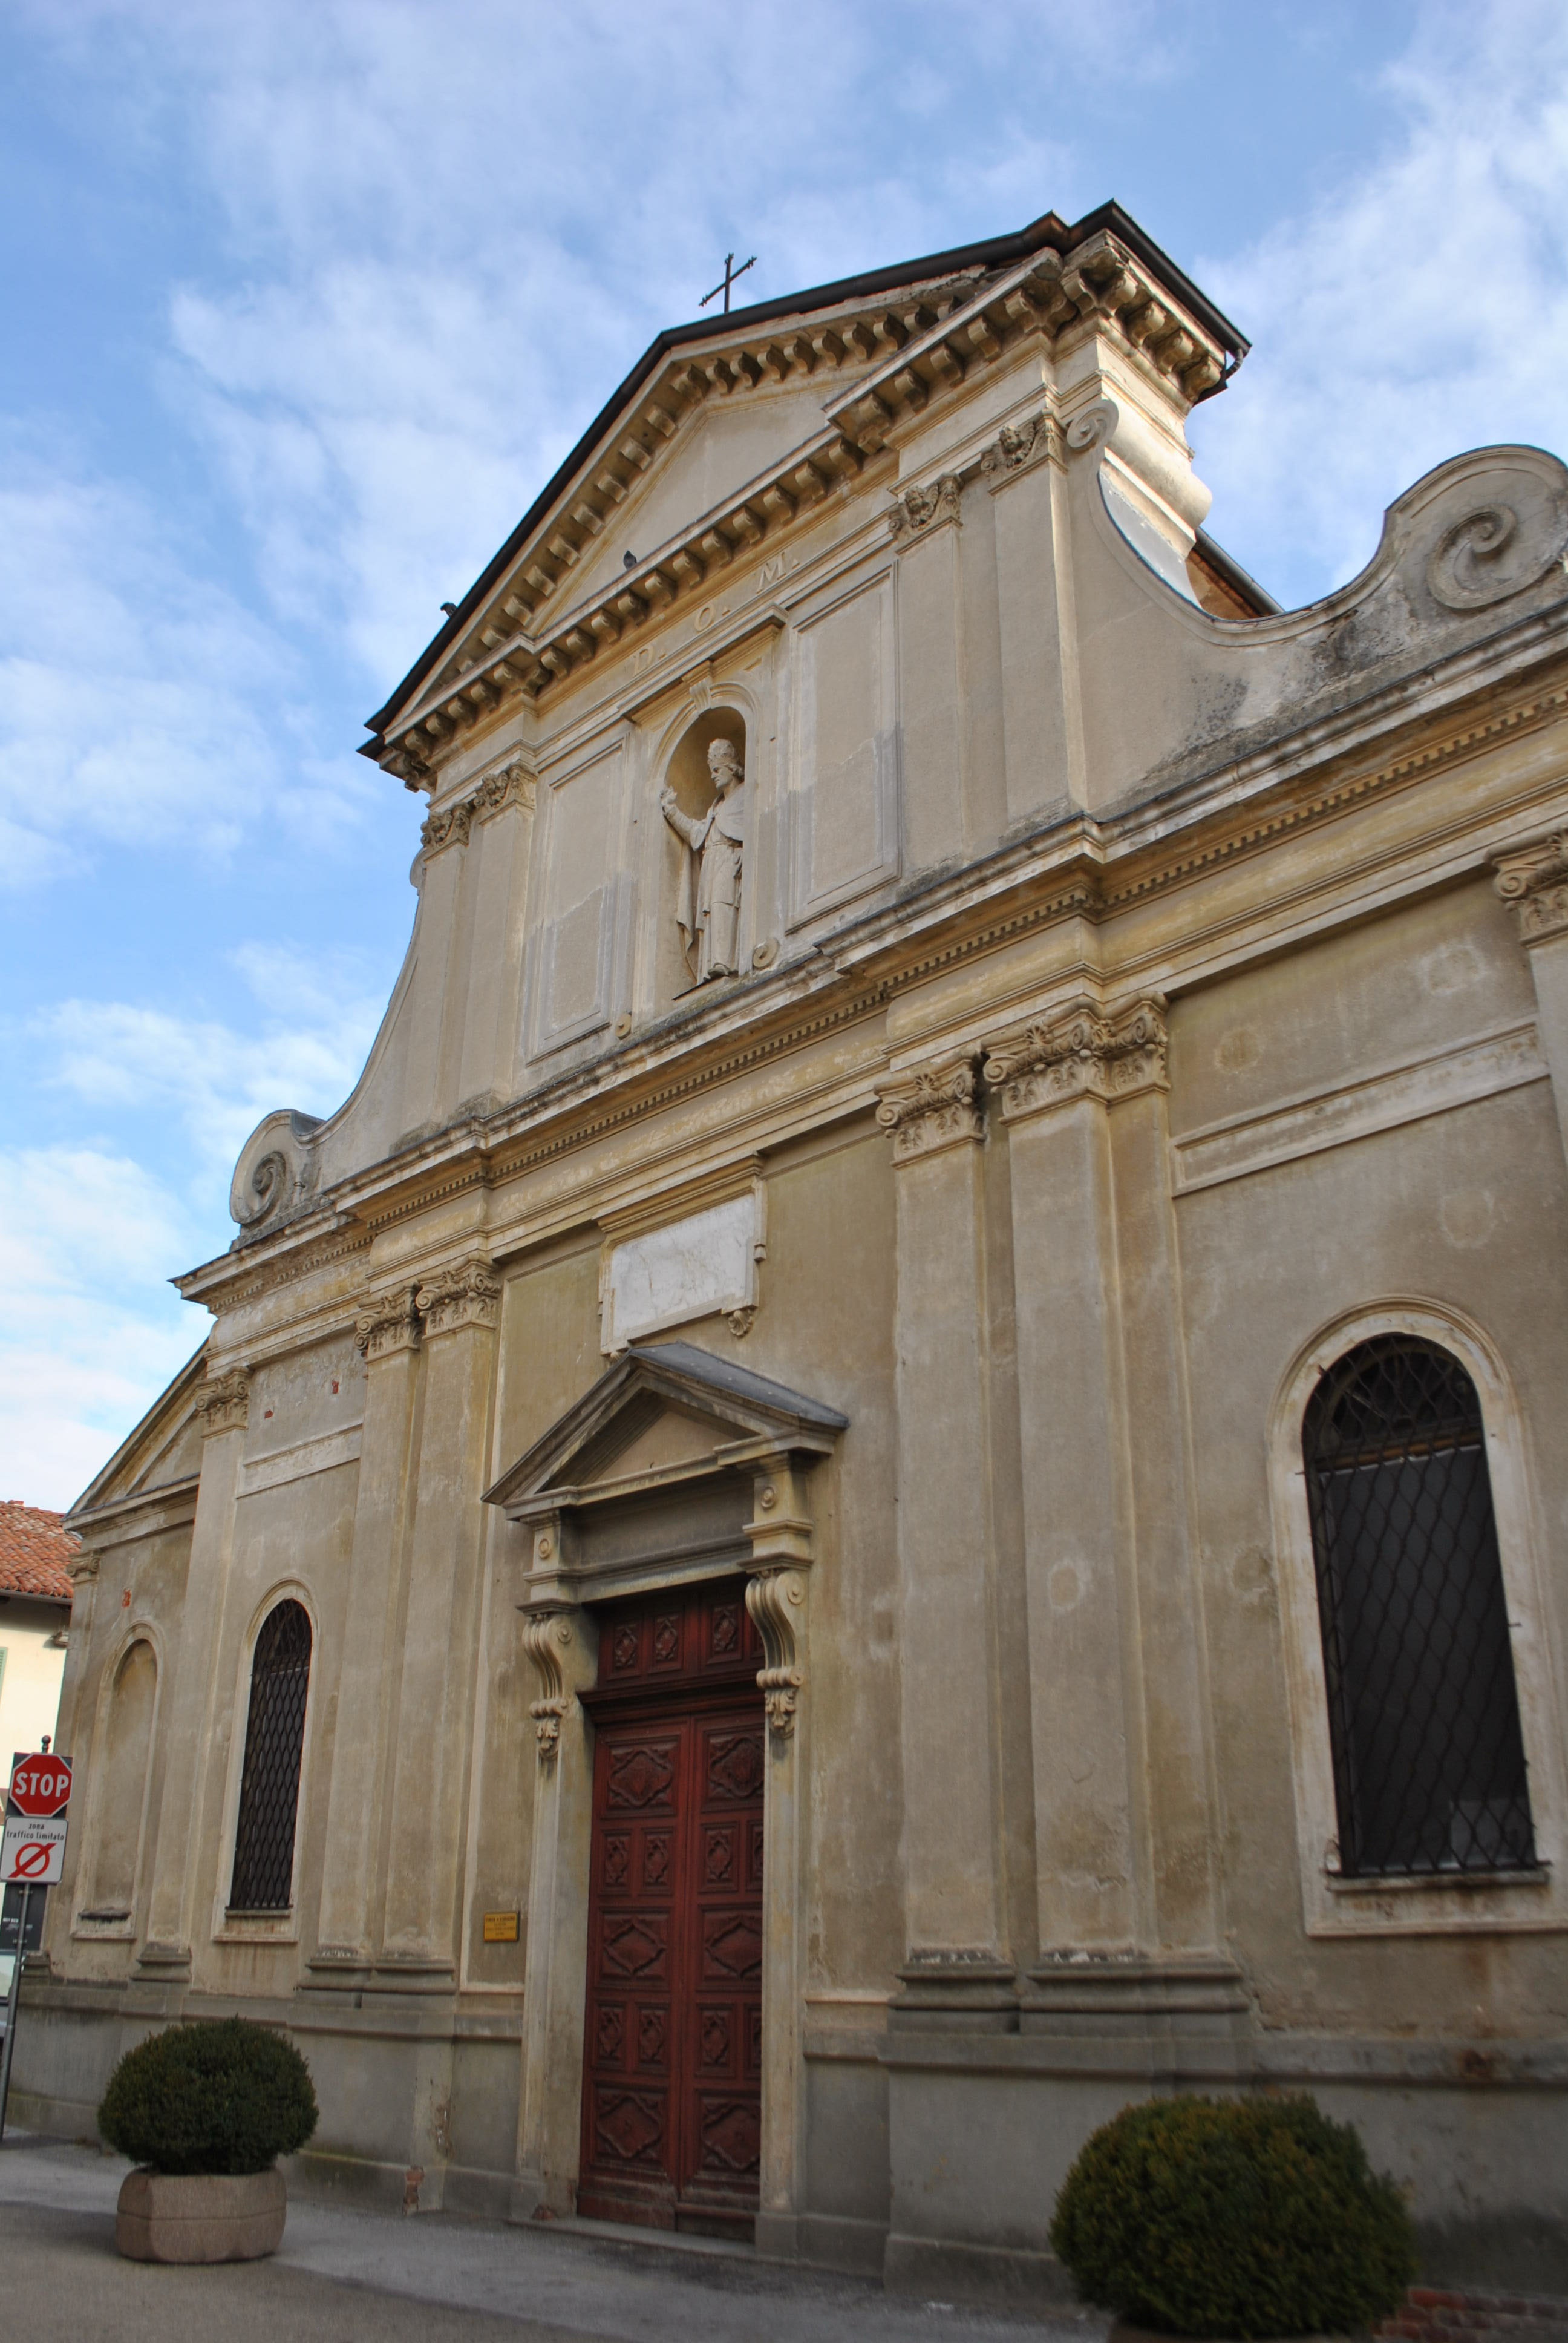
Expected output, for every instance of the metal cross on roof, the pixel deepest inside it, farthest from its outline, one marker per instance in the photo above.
(728, 278)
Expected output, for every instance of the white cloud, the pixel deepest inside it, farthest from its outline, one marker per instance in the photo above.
(89, 1236)
(1419, 309)
(140, 704)
(92, 1332)
(457, 227)
(317, 1023)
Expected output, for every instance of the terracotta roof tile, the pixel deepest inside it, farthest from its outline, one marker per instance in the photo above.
(35, 1550)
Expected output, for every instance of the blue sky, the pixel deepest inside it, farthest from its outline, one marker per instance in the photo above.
(304, 302)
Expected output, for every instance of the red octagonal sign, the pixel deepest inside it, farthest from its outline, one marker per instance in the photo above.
(41, 1786)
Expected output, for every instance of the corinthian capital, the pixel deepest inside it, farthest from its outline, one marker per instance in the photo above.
(223, 1401)
(1081, 1050)
(387, 1322)
(1534, 882)
(933, 1108)
(468, 1295)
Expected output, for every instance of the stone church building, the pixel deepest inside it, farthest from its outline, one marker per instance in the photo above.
(901, 1471)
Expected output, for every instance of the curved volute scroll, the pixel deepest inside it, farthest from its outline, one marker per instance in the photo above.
(277, 1172)
(549, 1641)
(776, 1598)
(780, 1535)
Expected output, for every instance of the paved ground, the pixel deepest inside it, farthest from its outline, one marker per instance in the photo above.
(342, 2275)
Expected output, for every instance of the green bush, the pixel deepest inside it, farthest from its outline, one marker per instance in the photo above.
(222, 2095)
(1247, 2217)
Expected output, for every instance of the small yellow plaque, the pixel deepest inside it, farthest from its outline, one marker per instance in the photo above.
(500, 1927)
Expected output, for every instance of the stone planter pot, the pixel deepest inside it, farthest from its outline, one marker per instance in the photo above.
(165, 2216)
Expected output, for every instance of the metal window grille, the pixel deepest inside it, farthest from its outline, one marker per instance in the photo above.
(269, 1788)
(1424, 1713)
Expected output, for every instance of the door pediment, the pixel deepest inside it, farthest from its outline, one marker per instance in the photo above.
(663, 1414)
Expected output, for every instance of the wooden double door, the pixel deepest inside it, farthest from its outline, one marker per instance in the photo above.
(672, 2080)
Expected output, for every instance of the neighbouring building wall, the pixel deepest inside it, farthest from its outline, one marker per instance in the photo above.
(32, 1663)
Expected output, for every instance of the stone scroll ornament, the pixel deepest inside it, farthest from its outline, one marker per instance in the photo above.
(546, 1636)
(277, 1172)
(708, 912)
(1490, 555)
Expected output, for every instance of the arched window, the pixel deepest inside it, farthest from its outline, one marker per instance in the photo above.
(269, 1787)
(1424, 1714)
(124, 1779)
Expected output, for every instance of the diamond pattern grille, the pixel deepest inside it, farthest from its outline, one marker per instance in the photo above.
(1424, 1714)
(270, 1790)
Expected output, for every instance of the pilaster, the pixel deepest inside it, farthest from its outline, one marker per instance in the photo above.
(460, 1307)
(187, 1723)
(777, 1597)
(562, 1643)
(1532, 880)
(387, 1332)
(957, 1969)
(1056, 1077)
(1043, 730)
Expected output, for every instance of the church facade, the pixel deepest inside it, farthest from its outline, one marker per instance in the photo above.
(899, 1473)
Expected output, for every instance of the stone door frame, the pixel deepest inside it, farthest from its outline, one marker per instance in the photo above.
(770, 1463)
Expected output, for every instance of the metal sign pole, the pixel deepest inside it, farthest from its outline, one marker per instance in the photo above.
(12, 2004)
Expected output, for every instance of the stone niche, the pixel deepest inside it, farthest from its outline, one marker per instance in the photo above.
(686, 773)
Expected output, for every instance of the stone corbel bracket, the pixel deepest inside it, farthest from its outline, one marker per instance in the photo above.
(1082, 1050)
(549, 1641)
(935, 1107)
(1532, 880)
(780, 1535)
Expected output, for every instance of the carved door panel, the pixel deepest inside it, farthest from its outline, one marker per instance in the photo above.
(724, 2087)
(628, 2123)
(672, 2052)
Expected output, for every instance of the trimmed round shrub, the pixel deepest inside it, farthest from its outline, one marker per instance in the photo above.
(1243, 2217)
(220, 2096)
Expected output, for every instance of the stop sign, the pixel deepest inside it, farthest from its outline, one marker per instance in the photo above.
(40, 1785)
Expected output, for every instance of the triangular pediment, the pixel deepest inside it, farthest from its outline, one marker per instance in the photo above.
(665, 1412)
(730, 428)
(163, 1451)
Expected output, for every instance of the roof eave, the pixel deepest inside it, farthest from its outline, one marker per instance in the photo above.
(1048, 232)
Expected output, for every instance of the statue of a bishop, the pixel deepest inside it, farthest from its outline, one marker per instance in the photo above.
(707, 910)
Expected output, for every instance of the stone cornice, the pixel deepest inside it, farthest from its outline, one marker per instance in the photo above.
(905, 357)
(931, 1108)
(136, 1515)
(1083, 867)
(1532, 880)
(1079, 1050)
